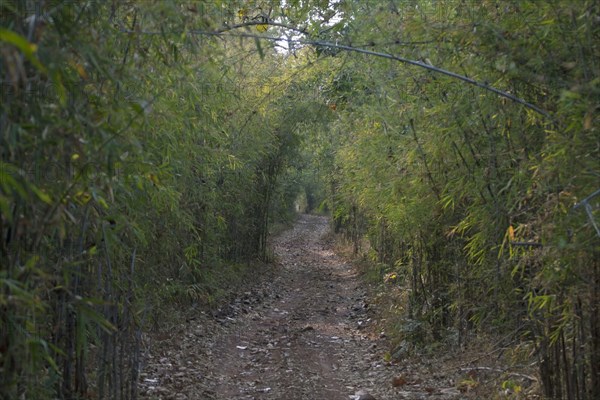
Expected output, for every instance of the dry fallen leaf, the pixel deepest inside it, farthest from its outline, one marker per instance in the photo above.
(398, 381)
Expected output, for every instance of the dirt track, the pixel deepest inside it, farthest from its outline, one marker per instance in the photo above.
(304, 334)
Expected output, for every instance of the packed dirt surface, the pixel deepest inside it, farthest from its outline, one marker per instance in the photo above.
(305, 332)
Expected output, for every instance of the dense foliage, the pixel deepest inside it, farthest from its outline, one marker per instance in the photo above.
(477, 204)
(146, 147)
(135, 169)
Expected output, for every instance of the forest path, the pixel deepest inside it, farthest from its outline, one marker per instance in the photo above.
(303, 334)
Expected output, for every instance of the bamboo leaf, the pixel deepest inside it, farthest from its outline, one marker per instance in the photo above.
(28, 49)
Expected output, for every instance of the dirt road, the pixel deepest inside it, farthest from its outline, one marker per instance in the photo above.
(302, 334)
(301, 342)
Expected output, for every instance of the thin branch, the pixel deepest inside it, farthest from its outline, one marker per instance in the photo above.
(588, 209)
(225, 32)
(503, 371)
(396, 42)
(269, 22)
(526, 244)
(586, 200)
(429, 67)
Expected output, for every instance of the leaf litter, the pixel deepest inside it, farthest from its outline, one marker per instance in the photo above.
(304, 331)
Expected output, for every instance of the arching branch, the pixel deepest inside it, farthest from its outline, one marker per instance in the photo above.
(226, 32)
(434, 69)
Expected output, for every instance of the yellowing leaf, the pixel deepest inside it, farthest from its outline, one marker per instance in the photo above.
(242, 12)
(262, 27)
(75, 157)
(80, 69)
(390, 277)
(102, 202)
(511, 233)
(154, 179)
(82, 197)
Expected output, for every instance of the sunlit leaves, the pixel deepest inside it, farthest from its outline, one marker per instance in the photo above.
(508, 178)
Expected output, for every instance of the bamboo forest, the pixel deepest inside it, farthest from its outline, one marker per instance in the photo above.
(299, 199)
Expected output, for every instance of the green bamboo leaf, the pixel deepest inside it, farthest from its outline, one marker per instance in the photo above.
(28, 49)
(94, 316)
(39, 350)
(8, 183)
(40, 194)
(32, 262)
(61, 92)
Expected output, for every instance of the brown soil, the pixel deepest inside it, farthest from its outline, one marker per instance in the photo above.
(305, 332)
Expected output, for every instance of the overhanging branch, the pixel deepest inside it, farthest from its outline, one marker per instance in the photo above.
(248, 24)
(226, 32)
(434, 69)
